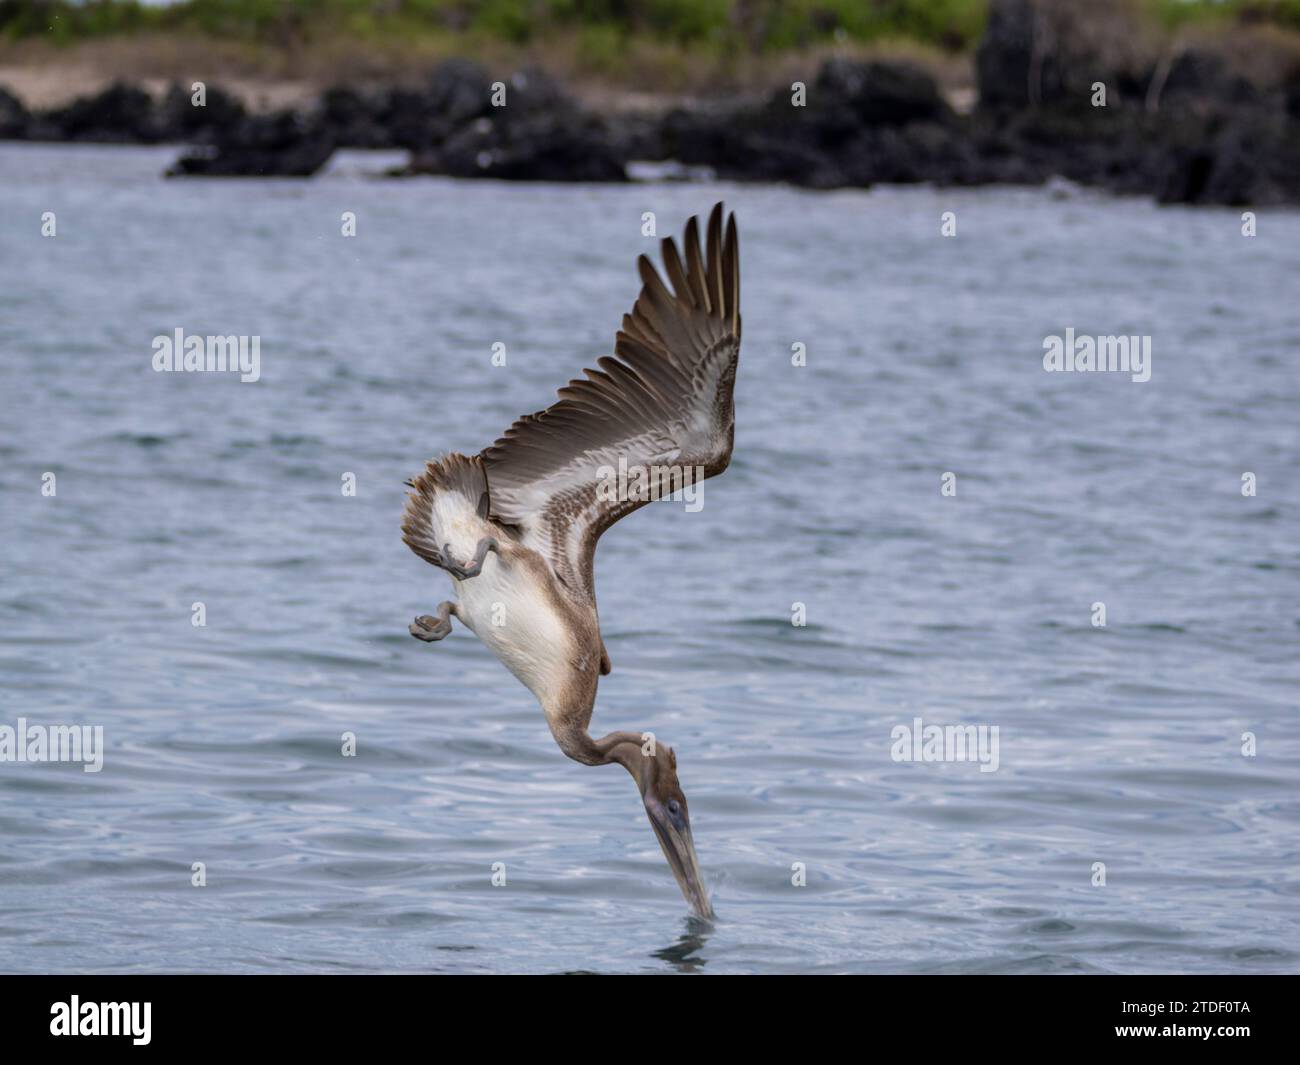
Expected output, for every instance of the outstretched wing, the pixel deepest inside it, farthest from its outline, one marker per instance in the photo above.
(662, 405)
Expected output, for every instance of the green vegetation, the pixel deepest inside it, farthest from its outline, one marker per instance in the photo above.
(674, 45)
(756, 25)
(1173, 13)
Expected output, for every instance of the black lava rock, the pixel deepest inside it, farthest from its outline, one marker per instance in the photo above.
(121, 114)
(14, 117)
(876, 93)
(283, 144)
(539, 134)
(180, 120)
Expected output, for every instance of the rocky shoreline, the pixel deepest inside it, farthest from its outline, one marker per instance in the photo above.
(1180, 126)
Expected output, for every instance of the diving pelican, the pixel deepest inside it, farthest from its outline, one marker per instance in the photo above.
(516, 525)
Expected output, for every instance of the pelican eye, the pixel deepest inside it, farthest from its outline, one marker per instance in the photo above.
(674, 808)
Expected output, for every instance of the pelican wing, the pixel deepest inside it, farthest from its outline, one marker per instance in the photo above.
(661, 405)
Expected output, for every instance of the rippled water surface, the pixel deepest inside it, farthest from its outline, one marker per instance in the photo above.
(1120, 745)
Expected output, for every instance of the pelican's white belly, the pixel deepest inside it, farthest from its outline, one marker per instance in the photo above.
(510, 610)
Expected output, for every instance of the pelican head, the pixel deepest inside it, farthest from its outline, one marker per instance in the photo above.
(665, 805)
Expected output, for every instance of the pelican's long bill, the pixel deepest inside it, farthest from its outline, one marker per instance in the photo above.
(678, 845)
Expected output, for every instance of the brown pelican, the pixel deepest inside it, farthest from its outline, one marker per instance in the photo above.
(516, 525)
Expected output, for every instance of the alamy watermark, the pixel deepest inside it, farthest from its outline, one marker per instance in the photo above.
(53, 743)
(637, 484)
(1085, 354)
(195, 354)
(919, 742)
(102, 1018)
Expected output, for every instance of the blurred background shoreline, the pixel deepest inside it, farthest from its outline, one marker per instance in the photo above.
(274, 52)
(1187, 101)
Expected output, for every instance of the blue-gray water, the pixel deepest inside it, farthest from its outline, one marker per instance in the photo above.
(1120, 745)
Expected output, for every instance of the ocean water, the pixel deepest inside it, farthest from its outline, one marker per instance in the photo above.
(1120, 745)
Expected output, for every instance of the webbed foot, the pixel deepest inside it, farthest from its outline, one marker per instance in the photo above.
(432, 629)
(473, 569)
